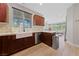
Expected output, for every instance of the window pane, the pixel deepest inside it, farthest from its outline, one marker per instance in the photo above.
(15, 22)
(17, 17)
(27, 23)
(17, 13)
(21, 17)
(27, 20)
(27, 15)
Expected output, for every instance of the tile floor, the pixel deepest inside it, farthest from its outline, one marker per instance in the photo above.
(43, 50)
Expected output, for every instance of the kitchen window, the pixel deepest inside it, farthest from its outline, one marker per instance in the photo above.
(27, 20)
(20, 16)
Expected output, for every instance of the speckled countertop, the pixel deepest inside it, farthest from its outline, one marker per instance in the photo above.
(3, 34)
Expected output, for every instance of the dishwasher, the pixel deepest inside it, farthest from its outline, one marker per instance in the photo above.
(55, 41)
(37, 38)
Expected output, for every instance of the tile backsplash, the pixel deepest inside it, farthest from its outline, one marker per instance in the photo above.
(33, 29)
(4, 28)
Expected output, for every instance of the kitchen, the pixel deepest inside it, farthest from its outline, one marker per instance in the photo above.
(19, 35)
(22, 28)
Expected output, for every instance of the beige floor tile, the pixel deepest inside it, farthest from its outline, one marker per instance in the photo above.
(44, 50)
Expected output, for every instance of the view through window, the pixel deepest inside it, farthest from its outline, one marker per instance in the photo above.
(58, 27)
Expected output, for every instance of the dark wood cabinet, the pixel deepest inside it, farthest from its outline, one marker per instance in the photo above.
(47, 38)
(29, 41)
(3, 12)
(9, 44)
(20, 44)
(5, 41)
(38, 20)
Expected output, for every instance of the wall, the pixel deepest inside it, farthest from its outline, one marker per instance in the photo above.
(72, 34)
(76, 24)
(4, 28)
(69, 34)
(7, 27)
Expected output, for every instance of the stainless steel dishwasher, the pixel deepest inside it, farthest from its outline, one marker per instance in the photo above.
(55, 42)
(37, 38)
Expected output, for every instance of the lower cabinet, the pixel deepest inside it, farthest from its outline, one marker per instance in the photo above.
(29, 41)
(5, 42)
(9, 44)
(12, 45)
(47, 38)
(20, 44)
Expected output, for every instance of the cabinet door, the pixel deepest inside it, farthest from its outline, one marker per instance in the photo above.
(46, 38)
(35, 20)
(29, 41)
(42, 21)
(20, 44)
(3, 12)
(38, 20)
(15, 46)
(5, 42)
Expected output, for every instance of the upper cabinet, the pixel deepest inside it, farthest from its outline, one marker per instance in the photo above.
(3, 12)
(38, 20)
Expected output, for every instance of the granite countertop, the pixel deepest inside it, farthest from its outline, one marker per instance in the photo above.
(50, 31)
(3, 34)
(10, 33)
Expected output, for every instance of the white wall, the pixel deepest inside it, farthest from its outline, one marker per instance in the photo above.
(76, 24)
(69, 34)
(72, 34)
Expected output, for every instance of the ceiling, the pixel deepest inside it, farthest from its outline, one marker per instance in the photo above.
(53, 12)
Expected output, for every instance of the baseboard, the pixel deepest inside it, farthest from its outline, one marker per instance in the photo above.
(75, 45)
